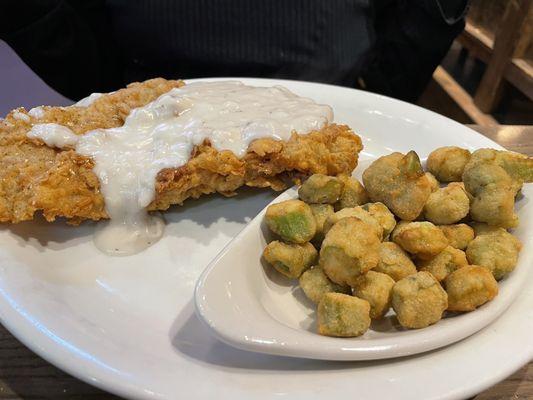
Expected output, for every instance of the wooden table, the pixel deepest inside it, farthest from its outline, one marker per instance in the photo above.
(24, 375)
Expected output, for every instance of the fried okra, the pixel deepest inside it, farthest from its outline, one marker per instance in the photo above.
(493, 192)
(290, 259)
(383, 215)
(316, 284)
(447, 205)
(342, 315)
(376, 288)
(518, 166)
(495, 249)
(353, 193)
(470, 287)
(434, 183)
(394, 261)
(292, 220)
(419, 300)
(448, 163)
(321, 213)
(355, 277)
(350, 249)
(399, 182)
(458, 235)
(357, 212)
(321, 189)
(481, 228)
(444, 263)
(422, 239)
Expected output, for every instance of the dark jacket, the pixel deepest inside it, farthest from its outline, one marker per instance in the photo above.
(83, 46)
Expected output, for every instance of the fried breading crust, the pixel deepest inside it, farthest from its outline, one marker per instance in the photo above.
(61, 183)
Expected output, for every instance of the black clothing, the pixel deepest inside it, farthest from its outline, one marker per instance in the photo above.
(82, 46)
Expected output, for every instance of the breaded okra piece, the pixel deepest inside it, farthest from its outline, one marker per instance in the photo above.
(518, 166)
(316, 284)
(496, 250)
(376, 288)
(321, 189)
(422, 239)
(458, 235)
(470, 287)
(321, 213)
(394, 261)
(357, 212)
(290, 259)
(493, 191)
(447, 261)
(448, 163)
(353, 194)
(399, 182)
(342, 315)
(419, 300)
(447, 205)
(350, 249)
(481, 228)
(434, 183)
(292, 220)
(383, 215)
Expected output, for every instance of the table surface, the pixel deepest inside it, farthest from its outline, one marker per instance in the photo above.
(24, 375)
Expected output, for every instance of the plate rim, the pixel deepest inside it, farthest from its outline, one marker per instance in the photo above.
(25, 332)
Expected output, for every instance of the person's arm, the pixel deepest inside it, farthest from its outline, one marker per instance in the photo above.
(412, 38)
(62, 41)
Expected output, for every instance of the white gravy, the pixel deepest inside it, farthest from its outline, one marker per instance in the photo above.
(36, 112)
(87, 101)
(21, 116)
(163, 134)
(54, 135)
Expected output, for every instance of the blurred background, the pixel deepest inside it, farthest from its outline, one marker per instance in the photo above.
(486, 77)
(469, 60)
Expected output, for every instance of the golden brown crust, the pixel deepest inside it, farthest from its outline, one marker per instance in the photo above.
(268, 163)
(60, 183)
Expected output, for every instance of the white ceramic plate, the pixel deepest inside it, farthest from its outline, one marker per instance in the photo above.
(128, 325)
(251, 306)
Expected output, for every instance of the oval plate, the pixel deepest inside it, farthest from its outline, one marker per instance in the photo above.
(249, 305)
(128, 325)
